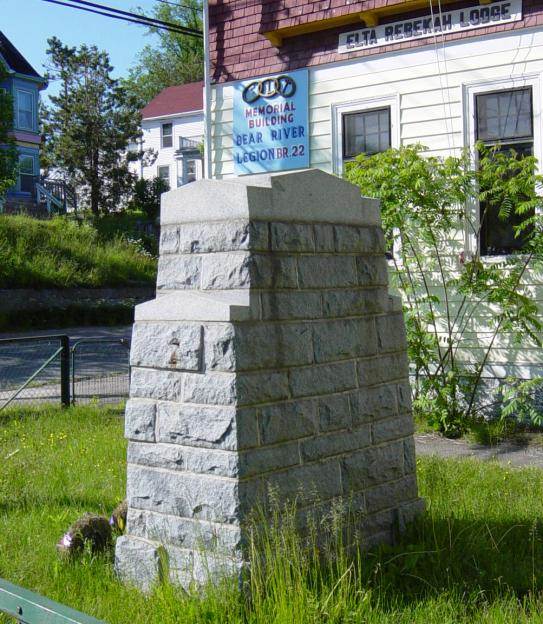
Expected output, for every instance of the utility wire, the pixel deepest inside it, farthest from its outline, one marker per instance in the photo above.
(125, 19)
(152, 20)
(129, 17)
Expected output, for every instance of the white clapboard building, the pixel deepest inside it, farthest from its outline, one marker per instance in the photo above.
(172, 126)
(366, 75)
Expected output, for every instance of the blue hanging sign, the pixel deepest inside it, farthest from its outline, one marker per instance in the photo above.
(271, 123)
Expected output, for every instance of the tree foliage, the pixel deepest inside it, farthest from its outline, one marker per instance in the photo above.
(89, 125)
(147, 195)
(8, 154)
(460, 307)
(177, 59)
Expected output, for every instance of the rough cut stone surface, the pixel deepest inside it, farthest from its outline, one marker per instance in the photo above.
(140, 419)
(271, 367)
(176, 346)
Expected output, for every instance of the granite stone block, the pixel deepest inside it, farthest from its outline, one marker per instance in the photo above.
(322, 379)
(334, 412)
(140, 419)
(178, 272)
(177, 346)
(327, 271)
(287, 421)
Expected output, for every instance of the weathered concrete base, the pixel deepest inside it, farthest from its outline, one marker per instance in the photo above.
(271, 368)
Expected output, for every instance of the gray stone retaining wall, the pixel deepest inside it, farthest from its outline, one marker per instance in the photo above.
(14, 300)
(271, 365)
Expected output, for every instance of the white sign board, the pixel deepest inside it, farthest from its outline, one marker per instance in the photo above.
(427, 25)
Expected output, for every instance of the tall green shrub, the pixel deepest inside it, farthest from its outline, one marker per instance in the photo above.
(429, 210)
(146, 196)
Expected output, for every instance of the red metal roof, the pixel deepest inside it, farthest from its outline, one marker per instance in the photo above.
(179, 99)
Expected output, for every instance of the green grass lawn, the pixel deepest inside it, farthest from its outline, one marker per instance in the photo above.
(62, 253)
(477, 555)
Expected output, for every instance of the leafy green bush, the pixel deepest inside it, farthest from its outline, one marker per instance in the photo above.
(146, 196)
(63, 253)
(427, 203)
(132, 225)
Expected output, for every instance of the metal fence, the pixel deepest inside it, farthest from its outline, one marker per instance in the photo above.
(28, 607)
(100, 370)
(48, 369)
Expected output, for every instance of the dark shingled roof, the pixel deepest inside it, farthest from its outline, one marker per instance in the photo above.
(14, 59)
(179, 99)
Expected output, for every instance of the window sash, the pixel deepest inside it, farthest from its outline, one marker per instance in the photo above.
(167, 135)
(359, 136)
(505, 115)
(26, 164)
(25, 110)
(191, 170)
(511, 129)
(164, 172)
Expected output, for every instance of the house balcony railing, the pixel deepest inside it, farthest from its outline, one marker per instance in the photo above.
(54, 194)
(187, 145)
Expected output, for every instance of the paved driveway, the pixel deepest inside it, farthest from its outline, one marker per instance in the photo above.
(76, 333)
(506, 452)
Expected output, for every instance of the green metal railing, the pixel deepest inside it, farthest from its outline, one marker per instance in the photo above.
(30, 608)
(46, 369)
(62, 353)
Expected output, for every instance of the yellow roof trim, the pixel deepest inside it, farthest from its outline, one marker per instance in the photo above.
(370, 19)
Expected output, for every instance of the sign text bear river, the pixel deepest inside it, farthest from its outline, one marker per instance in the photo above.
(270, 124)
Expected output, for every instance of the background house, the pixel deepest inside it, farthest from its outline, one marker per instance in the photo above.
(24, 84)
(173, 127)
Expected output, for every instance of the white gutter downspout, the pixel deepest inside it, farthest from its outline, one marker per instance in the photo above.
(207, 96)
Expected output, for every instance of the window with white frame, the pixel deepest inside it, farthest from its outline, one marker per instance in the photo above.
(505, 113)
(25, 110)
(191, 170)
(365, 126)
(366, 132)
(180, 172)
(26, 173)
(167, 135)
(503, 119)
(164, 173)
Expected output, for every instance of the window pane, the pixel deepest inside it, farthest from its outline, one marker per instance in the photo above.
(180, 173)
(191, 171)
(504, 115)
(26, 173)
(498, 235)
(366, 132)
(26, 165)
(167, 135)
(164, 173)
(25, 109)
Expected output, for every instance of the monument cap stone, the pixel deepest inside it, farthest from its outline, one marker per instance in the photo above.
(308, 196)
